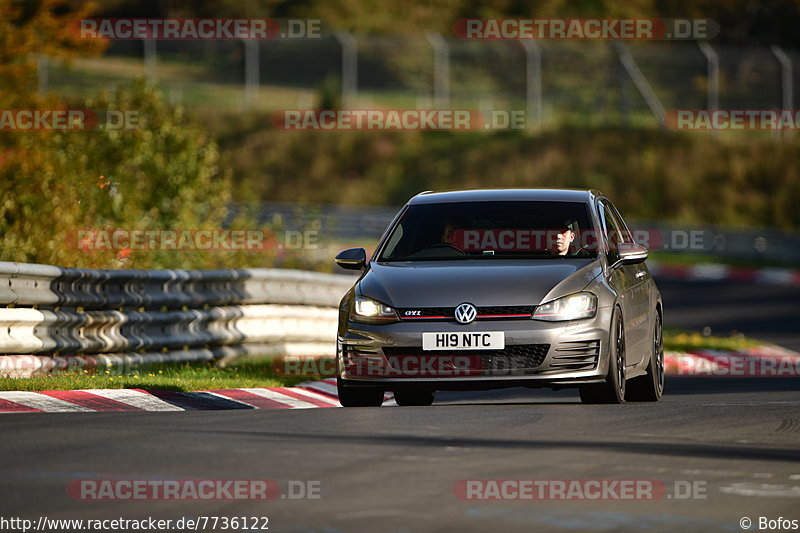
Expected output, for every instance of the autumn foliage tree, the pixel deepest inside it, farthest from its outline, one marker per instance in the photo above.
(162, 174)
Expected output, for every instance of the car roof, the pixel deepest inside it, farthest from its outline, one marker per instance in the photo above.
(488, 195)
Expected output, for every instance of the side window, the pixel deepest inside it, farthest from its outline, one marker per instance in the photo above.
(394, 240)
(612, 232)
(623, 227)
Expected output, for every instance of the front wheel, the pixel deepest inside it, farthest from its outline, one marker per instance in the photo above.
(358, 396)
(613, 390)
(650, 387)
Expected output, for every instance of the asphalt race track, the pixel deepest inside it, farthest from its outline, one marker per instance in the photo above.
(734, 442)
(766, 312)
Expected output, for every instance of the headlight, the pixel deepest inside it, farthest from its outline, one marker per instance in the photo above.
(372, 312)
(572, 307)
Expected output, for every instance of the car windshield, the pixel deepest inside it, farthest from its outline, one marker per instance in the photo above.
(491, 230)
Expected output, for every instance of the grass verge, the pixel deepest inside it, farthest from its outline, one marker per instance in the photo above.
(180, 377)
(690, 258)
(676, 340)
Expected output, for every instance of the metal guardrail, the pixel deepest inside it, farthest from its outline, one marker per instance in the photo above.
(23, 284)
(165, 314)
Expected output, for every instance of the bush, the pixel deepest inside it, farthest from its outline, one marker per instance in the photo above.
(163, 175)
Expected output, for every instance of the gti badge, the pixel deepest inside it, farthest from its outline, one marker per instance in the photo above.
(465, 313)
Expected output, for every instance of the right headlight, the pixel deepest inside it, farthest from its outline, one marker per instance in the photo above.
(572, 307)
(370, 311)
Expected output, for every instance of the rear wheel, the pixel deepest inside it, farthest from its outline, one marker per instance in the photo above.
(613, 390)
(650, 387)
(414, 397)
(358, 396)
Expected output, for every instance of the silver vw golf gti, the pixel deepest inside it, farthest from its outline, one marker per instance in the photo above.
(482, 289)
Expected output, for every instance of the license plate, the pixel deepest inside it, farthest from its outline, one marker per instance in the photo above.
(491, 340)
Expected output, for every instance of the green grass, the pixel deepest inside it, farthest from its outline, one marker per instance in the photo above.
(676, 340)
(175, 377)
(196, 85)
(694, 258)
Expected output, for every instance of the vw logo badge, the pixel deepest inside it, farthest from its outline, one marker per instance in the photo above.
(465, 313)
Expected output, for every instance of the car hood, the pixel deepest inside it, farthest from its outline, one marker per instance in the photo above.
(480, 282)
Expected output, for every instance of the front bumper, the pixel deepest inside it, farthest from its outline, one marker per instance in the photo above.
(537, 354)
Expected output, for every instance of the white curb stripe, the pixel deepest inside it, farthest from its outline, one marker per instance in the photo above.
(713, 272)
(136, 398)
(316, 395)
(777, 276)
(228, 398)
(43, 402)
(288, 400)
(321, 386)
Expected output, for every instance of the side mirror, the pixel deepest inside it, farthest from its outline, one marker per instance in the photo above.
(631, 253)
(352, 259)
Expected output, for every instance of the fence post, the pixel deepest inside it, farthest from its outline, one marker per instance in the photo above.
(150, 59)
(712, 75)
(251, 72)
(787, 83)
(641, 83)
(441, 69)
(41, 73)
(349, 68)
(533, 84)
(624, 96)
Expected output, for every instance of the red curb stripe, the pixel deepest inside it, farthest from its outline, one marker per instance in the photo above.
(292, 394)
(741, 274)
(334, 394)
(253, 399)
(89, 400)
(13, 407)
(322, 392)
(667, 271)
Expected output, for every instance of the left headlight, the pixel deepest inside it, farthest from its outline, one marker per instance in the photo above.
(572, 307)
(370, 311)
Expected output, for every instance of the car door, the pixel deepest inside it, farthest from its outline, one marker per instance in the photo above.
(623, 278)
(638, 323)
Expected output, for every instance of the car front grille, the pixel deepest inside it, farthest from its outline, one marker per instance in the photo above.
(521, 359)
(502, 312)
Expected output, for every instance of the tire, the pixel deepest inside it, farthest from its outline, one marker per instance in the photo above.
(414, 397)
(650, 387)
(613, 390)
(358, 396)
